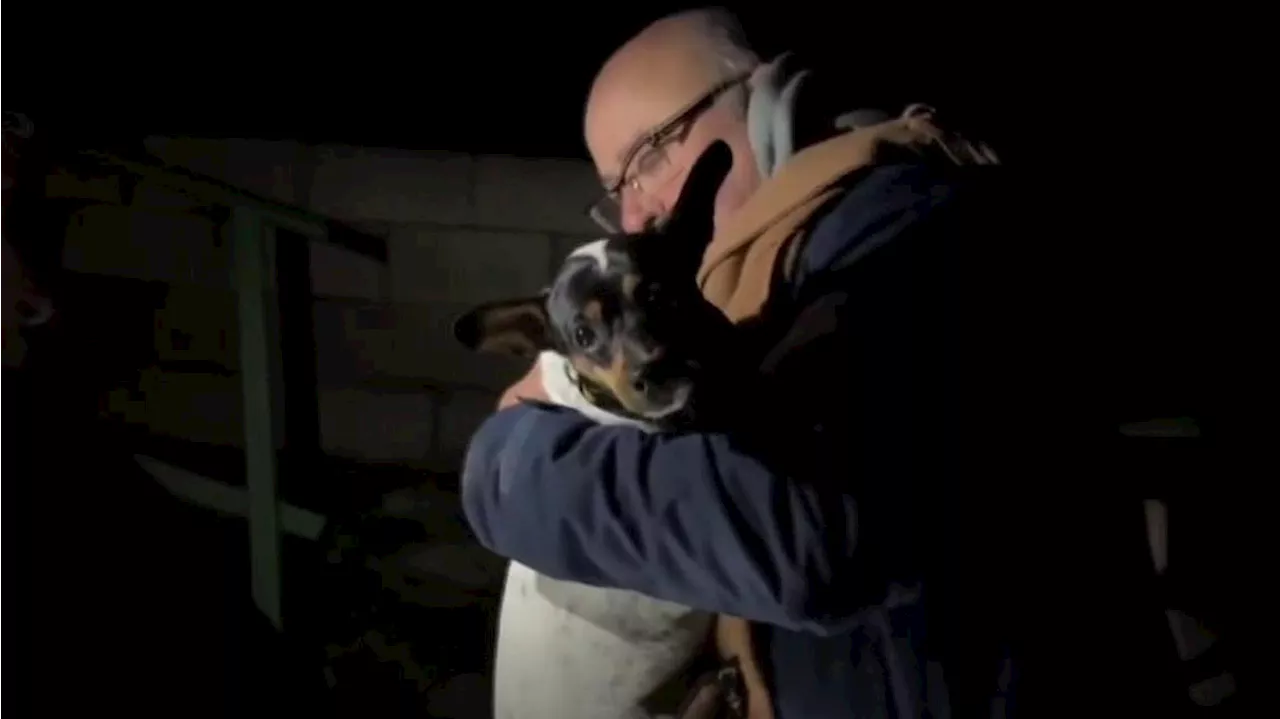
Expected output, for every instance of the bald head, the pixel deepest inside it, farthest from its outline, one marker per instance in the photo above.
(667, 67)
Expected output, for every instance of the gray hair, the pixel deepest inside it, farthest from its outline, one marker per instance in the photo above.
(727, 40)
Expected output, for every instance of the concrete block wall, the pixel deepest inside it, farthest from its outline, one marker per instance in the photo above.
(394, 387)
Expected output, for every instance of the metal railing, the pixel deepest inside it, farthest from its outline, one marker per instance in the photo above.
(251, 230)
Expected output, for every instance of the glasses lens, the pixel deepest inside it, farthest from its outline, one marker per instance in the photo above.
(607, 213)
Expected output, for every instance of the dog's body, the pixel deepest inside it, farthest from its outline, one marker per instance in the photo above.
(623, 336)
(575, 651)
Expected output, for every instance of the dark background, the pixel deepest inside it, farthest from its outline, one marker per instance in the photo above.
(1110, 110)
(1111, 118)
(481, 78)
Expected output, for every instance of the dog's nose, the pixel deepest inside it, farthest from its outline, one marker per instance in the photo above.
(655, 371)
(640, 378)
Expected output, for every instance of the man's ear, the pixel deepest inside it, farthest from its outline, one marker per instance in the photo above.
(518, 327)
(692, 220)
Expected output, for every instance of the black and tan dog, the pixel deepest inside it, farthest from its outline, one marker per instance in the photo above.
(626, 313)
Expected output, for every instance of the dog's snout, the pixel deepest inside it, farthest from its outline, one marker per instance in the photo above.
(640, 376)
(653, 371)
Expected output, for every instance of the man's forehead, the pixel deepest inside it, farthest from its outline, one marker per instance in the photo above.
(624, 109)
(616, 135)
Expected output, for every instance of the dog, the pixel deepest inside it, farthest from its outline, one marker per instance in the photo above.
(624, 336)
(623, 322)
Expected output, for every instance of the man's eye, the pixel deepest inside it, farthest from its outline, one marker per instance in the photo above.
(583, 337)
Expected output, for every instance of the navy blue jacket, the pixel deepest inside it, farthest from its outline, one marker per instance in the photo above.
(827, 553)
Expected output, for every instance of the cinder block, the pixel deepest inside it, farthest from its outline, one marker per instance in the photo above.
(62, 184)
(154, 195)
(431, 506)
(199, 155)
(393, 185)
(461, 266)
(361, 342)
(203, 408)
(383, 427)
(460, 415)
(353, 341)
(277, 170)
(198, 324)
(149, 245)
(535, 194)
(339, 272)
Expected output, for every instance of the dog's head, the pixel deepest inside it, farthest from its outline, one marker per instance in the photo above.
(626, 310)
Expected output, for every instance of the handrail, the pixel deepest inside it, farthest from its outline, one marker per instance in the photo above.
(210, 189)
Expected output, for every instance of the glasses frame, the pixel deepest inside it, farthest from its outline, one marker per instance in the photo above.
(672, 129)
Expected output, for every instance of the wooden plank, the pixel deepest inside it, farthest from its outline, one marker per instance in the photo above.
(258, 358)
(214, 191)
(212, 494)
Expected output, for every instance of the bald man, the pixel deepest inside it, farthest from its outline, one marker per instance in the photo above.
(825, 228)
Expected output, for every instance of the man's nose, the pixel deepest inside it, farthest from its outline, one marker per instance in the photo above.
(639, 212)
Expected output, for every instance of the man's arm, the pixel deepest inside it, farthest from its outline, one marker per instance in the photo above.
(691, 518)
(688, 518)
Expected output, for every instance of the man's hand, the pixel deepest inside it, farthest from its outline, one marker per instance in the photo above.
(527, 387)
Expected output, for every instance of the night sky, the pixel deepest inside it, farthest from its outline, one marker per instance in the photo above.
(452, 80)
(1103, 108)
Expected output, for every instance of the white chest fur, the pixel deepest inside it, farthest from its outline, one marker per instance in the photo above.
(571, 651)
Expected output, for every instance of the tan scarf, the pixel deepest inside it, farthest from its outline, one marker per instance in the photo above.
(739, 265)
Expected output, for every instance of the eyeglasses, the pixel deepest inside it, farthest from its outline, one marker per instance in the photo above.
(647, 164)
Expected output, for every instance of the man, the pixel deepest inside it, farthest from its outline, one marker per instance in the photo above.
(849, 540)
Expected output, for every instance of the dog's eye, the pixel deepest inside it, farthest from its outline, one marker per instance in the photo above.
(584, 337)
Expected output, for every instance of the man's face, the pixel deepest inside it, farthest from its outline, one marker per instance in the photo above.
(649, 176)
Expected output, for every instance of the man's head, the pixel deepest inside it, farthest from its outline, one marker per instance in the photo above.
(657, 104)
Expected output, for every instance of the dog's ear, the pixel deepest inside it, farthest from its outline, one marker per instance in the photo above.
(693, 217)
(519, 327)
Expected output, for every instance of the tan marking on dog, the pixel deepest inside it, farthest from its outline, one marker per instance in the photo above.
(593, 311)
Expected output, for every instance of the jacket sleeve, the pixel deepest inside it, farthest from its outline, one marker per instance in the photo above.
(685, 517)
(691, 518)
